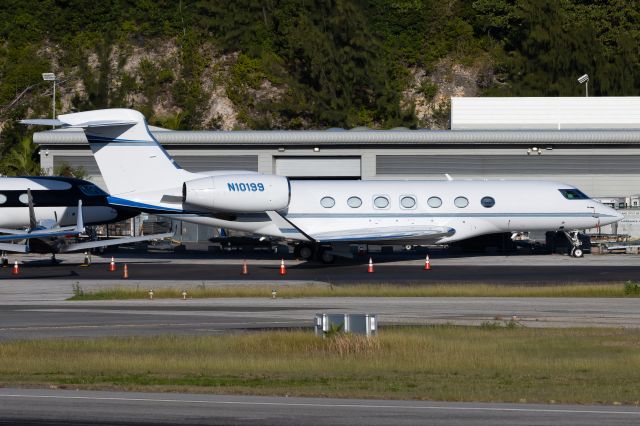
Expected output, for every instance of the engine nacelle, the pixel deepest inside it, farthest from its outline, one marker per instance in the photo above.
(245, 193)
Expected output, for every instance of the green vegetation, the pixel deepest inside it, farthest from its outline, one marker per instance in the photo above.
(598, 366)
(630, 289)
(313, 64)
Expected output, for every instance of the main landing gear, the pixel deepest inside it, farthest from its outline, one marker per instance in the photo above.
(306, 251)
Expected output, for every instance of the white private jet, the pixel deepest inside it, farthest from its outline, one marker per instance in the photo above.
(322, 216)
(43, 210)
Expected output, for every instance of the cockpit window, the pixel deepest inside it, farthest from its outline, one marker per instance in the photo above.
(573, 194)
(92, 190)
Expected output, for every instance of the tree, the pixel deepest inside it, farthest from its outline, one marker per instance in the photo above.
(22, 160)
(546, 51)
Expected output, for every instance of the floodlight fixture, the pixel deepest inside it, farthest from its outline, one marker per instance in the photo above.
(49, 76)
(584, 79)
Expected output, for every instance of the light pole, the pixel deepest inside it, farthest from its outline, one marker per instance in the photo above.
(585, 79)
(49, 76)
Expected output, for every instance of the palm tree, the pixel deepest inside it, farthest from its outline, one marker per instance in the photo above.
(22, 160)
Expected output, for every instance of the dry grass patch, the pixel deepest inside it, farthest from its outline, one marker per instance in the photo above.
(435, 363)
(364, 290)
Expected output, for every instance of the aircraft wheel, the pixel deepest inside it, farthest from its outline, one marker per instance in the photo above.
(303, 251)
(577, 252)
(327, 257)
(306, 252)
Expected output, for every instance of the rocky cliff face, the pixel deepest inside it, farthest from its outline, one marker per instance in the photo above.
(151, 77)
(431, 92)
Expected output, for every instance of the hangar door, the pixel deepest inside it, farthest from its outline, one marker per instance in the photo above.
(318, 167)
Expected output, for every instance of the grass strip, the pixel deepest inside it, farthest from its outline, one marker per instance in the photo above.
(490, 363)
(628, 289)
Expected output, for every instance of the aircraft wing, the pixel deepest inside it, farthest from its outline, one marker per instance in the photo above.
(44, 233)
(399, 234)
(12, 231)
(14, 248)
(113, 242)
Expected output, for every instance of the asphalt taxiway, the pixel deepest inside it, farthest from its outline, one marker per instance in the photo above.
(531, 270)
(34, 305)
(26, 312)
(31, 407)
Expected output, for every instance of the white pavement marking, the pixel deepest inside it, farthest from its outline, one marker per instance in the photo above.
(326, 405)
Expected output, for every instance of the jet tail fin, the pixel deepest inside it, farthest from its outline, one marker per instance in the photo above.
(129, 158)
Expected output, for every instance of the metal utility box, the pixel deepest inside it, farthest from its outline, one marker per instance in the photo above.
(365, 324)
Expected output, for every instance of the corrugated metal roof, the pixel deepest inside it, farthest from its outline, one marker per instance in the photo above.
(622, 112)
(371, 137)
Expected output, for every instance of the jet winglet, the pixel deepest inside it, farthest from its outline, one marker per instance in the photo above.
(80, 220)
(32, 213)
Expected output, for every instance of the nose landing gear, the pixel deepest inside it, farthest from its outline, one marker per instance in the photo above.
(576, 243)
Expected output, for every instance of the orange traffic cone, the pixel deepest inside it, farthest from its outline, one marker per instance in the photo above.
(112, 265)
(125, 272)
(245, 268)
(283, 269)
(16, 269)
(427, 264)
(370, 268)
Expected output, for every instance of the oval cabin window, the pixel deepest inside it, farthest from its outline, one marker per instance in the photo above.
(461, 202)
(434, 202)
(381, 202)
(354, 202)
(408, 202)
(488, 202)
(327, 202)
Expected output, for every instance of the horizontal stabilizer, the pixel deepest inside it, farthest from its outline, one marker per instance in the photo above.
(83, 125)
(42, 122)
(105, 123)
(114, 242)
